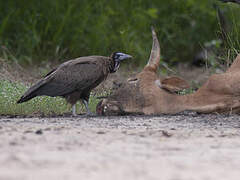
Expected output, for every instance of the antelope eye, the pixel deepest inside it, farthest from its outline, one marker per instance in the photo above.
(132, 80)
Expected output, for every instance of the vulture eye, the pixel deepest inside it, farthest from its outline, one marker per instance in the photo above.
(116, 56)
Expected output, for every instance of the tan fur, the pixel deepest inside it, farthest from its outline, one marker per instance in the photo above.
(173, 84)
(221, 92)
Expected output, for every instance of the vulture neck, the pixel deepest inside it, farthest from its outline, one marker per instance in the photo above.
(113, 65)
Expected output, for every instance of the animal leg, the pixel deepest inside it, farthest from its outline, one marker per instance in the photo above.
(89, 113)
(74, 110)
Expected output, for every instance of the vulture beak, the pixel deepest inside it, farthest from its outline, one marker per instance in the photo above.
(124, 56)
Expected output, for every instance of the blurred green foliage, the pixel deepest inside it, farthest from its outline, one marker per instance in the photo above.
(37, 31)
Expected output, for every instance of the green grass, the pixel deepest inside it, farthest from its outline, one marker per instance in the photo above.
(39, 31)
(187, 91)
(229, 47)
(10, 92)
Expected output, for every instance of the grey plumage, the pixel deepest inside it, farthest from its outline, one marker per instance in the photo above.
(75, 79)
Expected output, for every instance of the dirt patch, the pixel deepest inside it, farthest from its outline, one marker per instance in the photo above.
(186, 146)
(12, 71)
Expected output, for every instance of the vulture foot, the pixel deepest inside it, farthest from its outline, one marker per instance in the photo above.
(74, 111)
(83, 115)
(89, 113)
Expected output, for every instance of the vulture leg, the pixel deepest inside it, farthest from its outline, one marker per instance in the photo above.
(89, 113)
(74, 110)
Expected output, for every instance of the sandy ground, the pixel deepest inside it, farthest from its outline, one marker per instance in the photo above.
(181, 147)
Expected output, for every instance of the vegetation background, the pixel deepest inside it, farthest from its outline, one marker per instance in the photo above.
(41, 32)
(33, 31)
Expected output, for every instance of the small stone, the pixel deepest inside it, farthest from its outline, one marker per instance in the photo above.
(47, 129)
(210, 136)
(13, 143)
(28, 131)
(39, 132)
(101, 132)
(166, 134)
(223, 135)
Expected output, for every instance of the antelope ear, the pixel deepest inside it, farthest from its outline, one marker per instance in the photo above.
(174, 84)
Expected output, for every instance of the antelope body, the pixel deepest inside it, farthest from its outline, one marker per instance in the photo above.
(147, 94)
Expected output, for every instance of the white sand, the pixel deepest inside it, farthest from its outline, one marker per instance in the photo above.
(124, 148)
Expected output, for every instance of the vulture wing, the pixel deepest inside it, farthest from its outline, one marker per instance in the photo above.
(78, 74)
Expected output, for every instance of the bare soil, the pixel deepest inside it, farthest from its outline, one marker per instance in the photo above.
(187, 146)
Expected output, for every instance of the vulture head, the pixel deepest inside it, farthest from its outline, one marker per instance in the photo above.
(117, 58)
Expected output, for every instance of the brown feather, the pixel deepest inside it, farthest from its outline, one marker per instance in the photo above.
(73, 79)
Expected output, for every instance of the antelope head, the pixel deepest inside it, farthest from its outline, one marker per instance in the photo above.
(147, 94)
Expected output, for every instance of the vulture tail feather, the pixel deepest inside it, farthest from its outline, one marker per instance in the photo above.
(32, 92)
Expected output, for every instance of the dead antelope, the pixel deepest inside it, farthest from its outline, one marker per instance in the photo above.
(147, 94)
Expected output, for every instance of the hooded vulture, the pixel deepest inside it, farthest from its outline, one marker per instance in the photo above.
(75, 79)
